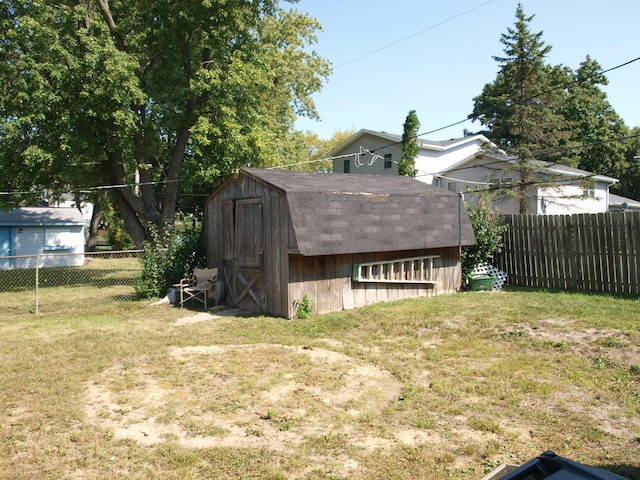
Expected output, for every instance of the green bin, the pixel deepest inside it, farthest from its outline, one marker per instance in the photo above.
(481, 282)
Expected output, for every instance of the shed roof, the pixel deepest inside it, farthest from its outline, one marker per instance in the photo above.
(41, 216)
(333, 213)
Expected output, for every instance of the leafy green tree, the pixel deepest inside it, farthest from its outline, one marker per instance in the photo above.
(410, 148)
(154, 98)
(629, 185)
(594, 123)
(520, 108)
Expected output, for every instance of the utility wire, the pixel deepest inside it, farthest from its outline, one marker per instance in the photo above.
(431, 27)
(472, 118)
(94, 189)
(545, 92)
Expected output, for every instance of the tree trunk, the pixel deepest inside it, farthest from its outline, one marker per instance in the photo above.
(134, 227)
(94, 224)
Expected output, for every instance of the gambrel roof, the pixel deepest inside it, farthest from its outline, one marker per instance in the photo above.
(334, 213)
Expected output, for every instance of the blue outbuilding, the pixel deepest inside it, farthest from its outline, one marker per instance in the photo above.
(53, 236)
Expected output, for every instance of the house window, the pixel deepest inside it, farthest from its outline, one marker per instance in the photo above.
(452, 186)
(589, 192)
(501, 183)
(387, 161)
(346, 166)
(58, 239)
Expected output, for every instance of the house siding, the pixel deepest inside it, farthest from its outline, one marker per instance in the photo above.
(366, 163)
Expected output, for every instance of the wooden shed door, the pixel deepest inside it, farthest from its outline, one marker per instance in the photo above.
(244, 238)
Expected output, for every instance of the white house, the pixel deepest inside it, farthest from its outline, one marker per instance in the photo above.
(555, 190)
(368, 151)
(55, 235)
(469, 164)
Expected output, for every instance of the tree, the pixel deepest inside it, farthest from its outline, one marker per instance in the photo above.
(520, 108)
(594, 123)
(410, 149)
(175, 94)
(629, 185)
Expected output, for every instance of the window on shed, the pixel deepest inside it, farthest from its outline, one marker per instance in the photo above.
(388, 160)
(452, 186)
(346, 166)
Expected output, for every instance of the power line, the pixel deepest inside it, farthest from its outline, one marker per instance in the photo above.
(431, 27)
(557, 87)
(96, 188)
(541, 153)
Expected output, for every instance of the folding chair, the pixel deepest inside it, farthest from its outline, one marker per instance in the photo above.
(199, 286)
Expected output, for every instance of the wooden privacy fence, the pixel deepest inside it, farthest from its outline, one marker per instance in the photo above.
(586, 252)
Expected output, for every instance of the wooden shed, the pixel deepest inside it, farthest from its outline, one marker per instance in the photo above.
(343, 240)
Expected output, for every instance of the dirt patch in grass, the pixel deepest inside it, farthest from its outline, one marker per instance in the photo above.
(605, 344)
(254, 396)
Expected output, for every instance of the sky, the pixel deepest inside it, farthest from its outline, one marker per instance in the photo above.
(435, 56)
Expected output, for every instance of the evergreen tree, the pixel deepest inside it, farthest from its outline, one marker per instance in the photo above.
(521, 107)
(410, 148)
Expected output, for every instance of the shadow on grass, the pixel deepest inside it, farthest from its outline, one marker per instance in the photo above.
(513, 288)
(54, 277)
(632, 472)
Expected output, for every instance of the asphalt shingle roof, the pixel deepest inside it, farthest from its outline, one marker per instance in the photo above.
(334, 213)
(41, 216)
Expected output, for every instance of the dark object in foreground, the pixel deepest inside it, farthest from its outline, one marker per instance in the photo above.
(554, 467)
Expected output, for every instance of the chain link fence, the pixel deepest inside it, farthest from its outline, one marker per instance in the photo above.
(56, 282)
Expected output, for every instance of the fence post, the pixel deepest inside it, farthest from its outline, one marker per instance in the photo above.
(37, 280)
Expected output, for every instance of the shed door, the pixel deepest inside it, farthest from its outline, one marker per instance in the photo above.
(244, 253)
(5, 247)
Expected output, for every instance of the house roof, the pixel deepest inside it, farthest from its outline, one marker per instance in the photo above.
(423, 143)
(617, 202)
(333, 213)
(40, 216)
(552, 167)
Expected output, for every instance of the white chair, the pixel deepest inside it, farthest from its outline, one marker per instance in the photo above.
(199, 287)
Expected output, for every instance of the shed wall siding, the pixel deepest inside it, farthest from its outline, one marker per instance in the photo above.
(327, 280)
(275, 237)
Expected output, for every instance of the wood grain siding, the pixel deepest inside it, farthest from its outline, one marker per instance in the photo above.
(327, 280)
(584, 252)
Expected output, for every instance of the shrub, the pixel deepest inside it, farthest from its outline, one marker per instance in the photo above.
(167, 261)
(488, 230)
(304, 308)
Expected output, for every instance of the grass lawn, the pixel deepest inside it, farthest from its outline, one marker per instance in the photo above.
(447, 387)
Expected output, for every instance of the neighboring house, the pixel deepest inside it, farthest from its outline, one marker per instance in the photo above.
(56, 235)
(344, 241)
(557, 189)
(469, 164)
(622, 204)
(68, 201)
(433, 156)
